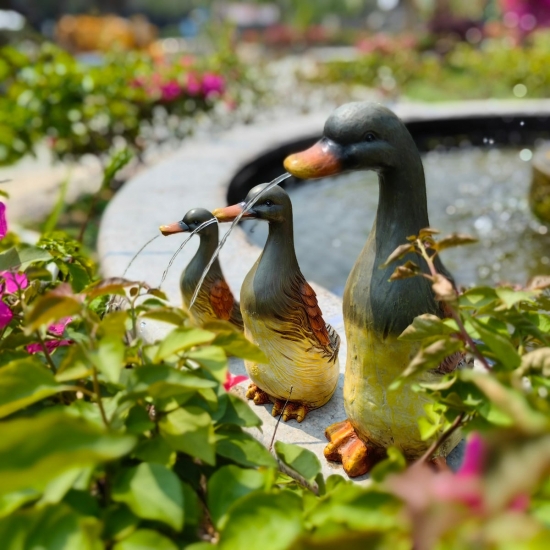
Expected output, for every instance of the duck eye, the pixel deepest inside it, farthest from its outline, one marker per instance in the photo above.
(268, 203)
(196, 222)
(370, 137)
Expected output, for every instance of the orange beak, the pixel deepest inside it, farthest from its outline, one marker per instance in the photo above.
(229, 213)
(176, 227)
(316, 162)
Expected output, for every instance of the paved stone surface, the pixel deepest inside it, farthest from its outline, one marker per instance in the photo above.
(198, 175)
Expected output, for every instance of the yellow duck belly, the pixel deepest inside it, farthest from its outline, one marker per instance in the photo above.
(299, 364)
(379, 415)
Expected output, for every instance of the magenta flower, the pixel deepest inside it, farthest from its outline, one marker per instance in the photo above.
(11, 282)
(232, 380)
(170, 90)
(5, 315)
(212, 84)
(3, 221)
(50, 345)
(57, 329)
(473, 457)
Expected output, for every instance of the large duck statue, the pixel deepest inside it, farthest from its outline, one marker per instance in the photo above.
(215, 301)
(368, 136)
(281, 316)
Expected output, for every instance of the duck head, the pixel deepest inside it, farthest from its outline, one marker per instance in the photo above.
(273, 206)
(190, 222)
(357, 136)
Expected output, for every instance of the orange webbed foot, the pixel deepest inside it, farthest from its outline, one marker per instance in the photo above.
(257, 395)
(292, 410)
(344, 446)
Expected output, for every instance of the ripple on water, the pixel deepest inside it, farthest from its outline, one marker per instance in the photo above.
(477, 191)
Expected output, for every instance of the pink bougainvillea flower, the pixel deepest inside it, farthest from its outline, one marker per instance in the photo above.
(3, 221)
(170, 90)
(232, 380)
(50, 345)
(11, 282)
(474, 456)
(57, 329)
(5, 315)
(193, 85)
(212, 84)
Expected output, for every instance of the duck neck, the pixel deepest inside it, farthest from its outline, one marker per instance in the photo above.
(402, 208)
(279, 255)
(207, 246)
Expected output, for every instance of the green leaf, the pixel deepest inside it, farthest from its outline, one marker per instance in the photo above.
(162, 381)
(228, 485)
(300, 460)
(151, 491)
(24, 382)
(114, 324)
(145, 539)
(511, 297)
(119, 522)
(266, 521)
(171, 316)
(190, 430)
(428, 325)
(52, 528)
(74, 365)
(212, 358)
(500, 345)
(478, 297)
(138, 420)
(13, 258)
(109, 357)
(193, 509)
(236, 344)
(393, 463)
(155, 450)
(242, 448)
(237, 411)
(79, 276)
(429, 357)
(38, 449)
(50, 307)
(181, 339)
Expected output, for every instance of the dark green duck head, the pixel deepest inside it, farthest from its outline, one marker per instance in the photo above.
(357, 136)
(191, 222)
(272, 206)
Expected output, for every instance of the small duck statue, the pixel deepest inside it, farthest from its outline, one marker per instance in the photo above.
(215, 301)
(368, 136)
(282, 317)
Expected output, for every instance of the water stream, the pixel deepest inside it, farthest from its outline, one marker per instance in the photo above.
(478, 191)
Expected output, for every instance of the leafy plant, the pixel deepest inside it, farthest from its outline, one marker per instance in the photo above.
(131, 101)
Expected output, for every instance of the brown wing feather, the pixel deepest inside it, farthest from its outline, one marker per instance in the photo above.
(316, 322)
(221, 299)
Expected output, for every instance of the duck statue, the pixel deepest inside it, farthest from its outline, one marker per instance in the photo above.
(368, 136)
(215, 301)
(281, 316)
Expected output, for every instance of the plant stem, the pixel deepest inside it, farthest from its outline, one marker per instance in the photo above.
(46, 352)
(98, 397)
(442, 438)
(279, 419)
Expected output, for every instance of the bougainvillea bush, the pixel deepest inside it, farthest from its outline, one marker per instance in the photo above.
(111, 442)
(131, 99)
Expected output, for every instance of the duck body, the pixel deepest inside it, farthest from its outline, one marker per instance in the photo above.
(281, 316)
(214, 302)
(376, 311)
